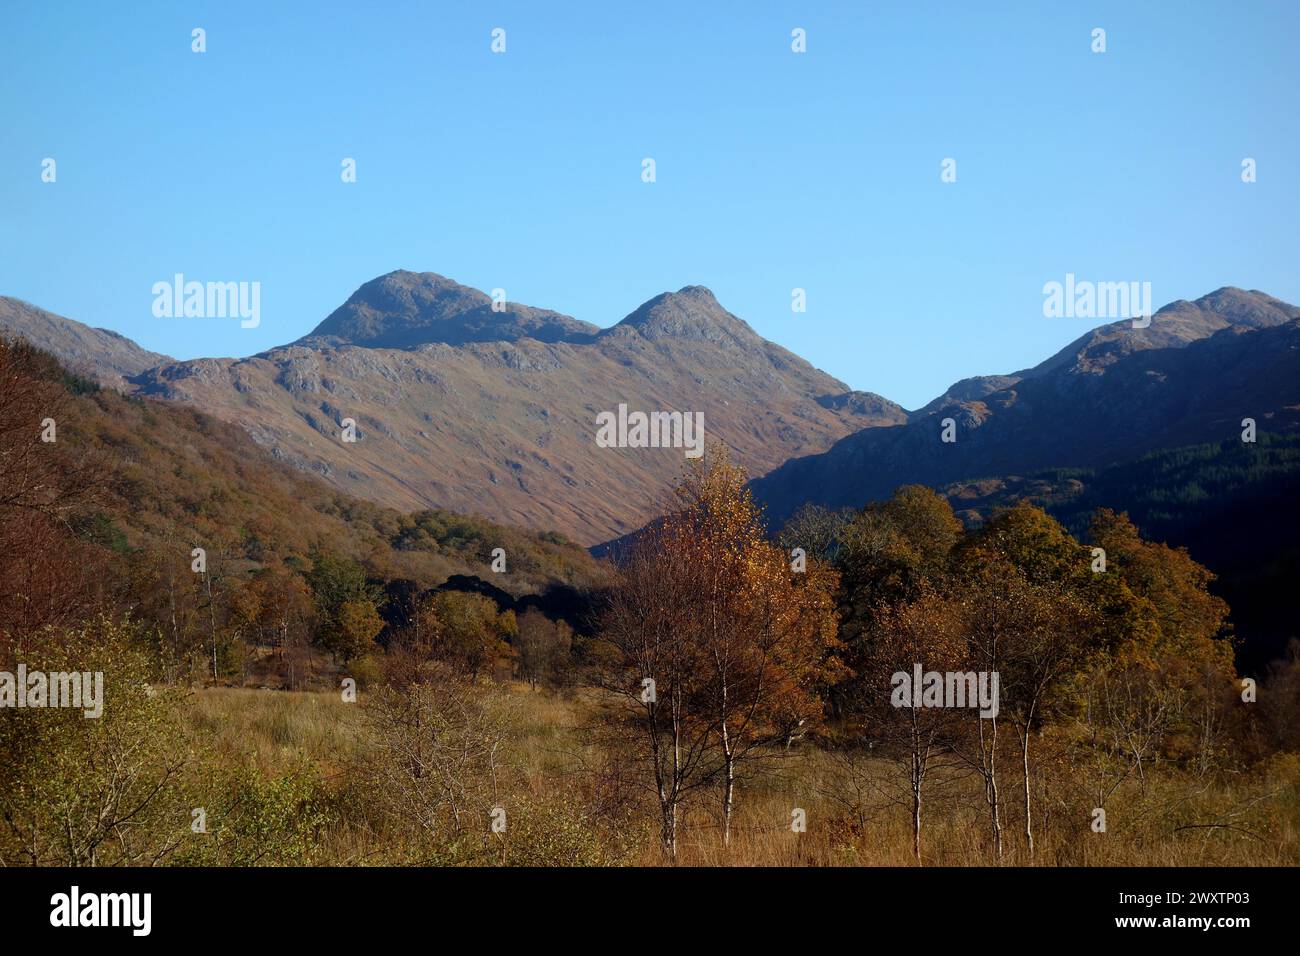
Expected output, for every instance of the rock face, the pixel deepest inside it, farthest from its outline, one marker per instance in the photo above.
(494, 412)
(99, 354)
(1114, 394)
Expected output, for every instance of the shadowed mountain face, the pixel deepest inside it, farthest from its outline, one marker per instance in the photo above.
(1172, 326)
(1115, 394)
(494, 413)
(98, 354)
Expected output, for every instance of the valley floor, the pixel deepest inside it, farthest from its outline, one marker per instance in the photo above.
(853, 805)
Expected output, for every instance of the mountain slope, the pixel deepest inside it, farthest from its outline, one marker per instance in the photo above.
(104, 356)
(172, 477)
(1174, 325)
(1111, 396)
(495, 413)
(404, 309)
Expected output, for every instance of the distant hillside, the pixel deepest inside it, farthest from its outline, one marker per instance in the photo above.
(99, 354)
(494, 413)
(1175, 325)
(179, 478)
(1234, 506)
(1115, 395)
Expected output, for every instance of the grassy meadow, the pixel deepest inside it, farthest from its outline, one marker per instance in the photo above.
(855, 812)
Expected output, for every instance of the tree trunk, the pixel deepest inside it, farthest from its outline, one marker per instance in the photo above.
(212, 623)
(728, 785)
(1029, 817)
(668, 828)
(991, 786)
(677, 771)
(916, 821)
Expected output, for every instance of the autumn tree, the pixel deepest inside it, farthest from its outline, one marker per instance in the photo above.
(48, 479)
(217, 583)
(472, 633)
(925, 632)
(169, 595)
(1035, 637)
(103, 791)
(814, 530)
(888, 552)
(276, 605)
(768, 632)
(435, 759)
(543, 649)
(646, 660)
(734, 644)
(1192, 621)
(346, 605)
(1165, 683)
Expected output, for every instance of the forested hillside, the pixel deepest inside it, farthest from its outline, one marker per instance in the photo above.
(1232, 505)
(107, 514)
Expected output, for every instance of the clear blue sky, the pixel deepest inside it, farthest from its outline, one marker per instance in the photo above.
(775, 170)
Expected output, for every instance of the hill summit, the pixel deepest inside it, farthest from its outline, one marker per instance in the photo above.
(407, 309)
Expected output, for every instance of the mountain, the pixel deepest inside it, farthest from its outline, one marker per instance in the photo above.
(490, 407)
(404, 309)
(1176, 324)
(495, 413)
(99, 354)
(1114, 394)
(170, 477)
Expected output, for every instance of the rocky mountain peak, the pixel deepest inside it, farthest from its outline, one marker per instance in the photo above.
(692, 312)
(408, 309)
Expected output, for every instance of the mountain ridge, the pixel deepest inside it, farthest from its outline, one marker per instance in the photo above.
(1111, 400)
(1174, 324)
(489, 407)
(403, 309)
(108, 357)
(494, 412)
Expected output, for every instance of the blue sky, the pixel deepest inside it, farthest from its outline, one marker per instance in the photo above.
(774, 170)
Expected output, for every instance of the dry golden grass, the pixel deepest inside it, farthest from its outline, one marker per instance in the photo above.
(1254, 817)
(275, 728)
